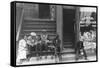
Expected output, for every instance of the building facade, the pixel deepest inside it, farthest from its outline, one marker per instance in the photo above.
(71, 23)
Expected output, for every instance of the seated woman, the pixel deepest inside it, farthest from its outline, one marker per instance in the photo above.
(22, 50)
(31, 43)
(44, 40)
(56, 43)
(80, 51)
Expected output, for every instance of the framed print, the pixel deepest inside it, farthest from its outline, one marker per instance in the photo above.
(49, 33)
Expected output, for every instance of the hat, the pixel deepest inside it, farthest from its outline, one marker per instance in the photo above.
(33, 34)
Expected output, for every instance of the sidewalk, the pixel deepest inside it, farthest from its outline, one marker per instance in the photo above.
(65, 58)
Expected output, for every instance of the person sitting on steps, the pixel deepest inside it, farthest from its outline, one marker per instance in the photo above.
(80, 51)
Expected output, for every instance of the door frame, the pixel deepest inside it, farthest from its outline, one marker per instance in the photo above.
(59, 22)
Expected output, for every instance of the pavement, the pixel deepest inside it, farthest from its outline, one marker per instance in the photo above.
(65, 58)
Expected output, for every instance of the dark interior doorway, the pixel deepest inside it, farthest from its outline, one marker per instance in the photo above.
(68, 27)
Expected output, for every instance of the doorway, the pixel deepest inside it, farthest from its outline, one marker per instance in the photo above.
(68, 28)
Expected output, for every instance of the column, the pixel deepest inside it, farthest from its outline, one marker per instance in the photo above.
(59, 21)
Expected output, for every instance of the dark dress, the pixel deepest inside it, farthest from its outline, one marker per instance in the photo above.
(78, 50)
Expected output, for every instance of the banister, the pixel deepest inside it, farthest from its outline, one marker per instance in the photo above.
(20, 25)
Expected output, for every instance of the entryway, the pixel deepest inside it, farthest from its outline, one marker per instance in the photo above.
(68, 27)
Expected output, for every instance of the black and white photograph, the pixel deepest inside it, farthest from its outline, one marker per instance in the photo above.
(49, 33)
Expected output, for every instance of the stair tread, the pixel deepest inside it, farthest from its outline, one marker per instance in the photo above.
(68, 45)
(53, 34)
(40, 24)
(31, 19)
(31, 26)
(67, 56)
(67, 42)
(39, 30)
(68, 49)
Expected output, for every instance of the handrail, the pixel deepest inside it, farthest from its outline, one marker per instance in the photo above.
(20, 25)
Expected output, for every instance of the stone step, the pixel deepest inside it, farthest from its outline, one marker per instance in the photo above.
(34, 30)
(39, 26)
(65, 50)
(41, 20)
(68, 55)
(39, 33)
(38, 22)
(68, 44)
